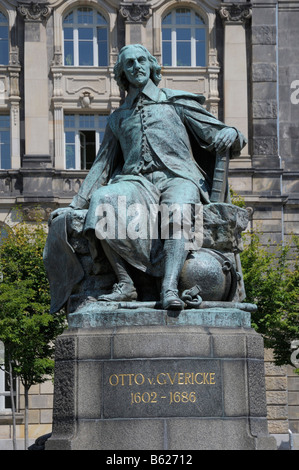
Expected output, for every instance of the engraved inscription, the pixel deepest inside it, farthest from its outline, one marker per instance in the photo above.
(157, 388)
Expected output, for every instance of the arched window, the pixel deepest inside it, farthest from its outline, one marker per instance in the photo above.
(3, 39)
(85, 38)
(183, 39)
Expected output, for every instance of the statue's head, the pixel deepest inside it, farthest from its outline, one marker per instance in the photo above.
(119, 72)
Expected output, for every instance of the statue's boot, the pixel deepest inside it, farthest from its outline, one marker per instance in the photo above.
(124, 290)
(175, 257)
(120, 292)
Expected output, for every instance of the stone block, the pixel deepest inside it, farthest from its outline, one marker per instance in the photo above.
(264, 109)
(263, 54)
(263, 13)
(235, 347)
(4, 431)
(65, 348)
(293, 398)
(276, 383)
(269, 183)
(33, 416)
(277, 412)
(163, 387)
(265, 146)
(178, 342)
(46, 416)
(94, 346)
(234, 389)
(267, 162)
(279, 426)
(276, 398)
(37, 430)
(272, 369)
(255, 346)
(264, 72)
(264, 91)
(264, 127)
(264, 34)
(256, 383)
(89, 389)
(210, 435)
(40, 401)
(119, 435)
(32, 32)
(46, 387)
(294, 412)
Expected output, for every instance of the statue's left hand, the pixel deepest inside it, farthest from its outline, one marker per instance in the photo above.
(224, 140)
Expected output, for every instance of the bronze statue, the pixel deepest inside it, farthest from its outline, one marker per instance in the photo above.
(161, 148)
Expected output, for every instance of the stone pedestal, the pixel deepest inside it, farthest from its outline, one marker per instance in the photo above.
(144, 380)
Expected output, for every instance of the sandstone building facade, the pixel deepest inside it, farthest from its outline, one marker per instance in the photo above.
(57, 89)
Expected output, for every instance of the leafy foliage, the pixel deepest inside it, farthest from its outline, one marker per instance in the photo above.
(26, 327)
(271, 280)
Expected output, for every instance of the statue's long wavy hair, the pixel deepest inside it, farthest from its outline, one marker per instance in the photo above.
(119, 74)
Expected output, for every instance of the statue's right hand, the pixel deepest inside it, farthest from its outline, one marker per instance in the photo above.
(59, 211)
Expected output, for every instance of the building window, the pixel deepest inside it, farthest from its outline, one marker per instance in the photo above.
(83, 136)
(4, 142)
(3, 39)
(183, 39)
(2, 377)
(85, 34)
(5, 397)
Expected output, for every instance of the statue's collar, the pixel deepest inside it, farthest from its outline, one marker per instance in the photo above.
(150, 90)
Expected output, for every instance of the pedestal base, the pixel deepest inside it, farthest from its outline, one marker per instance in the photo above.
(160, 387)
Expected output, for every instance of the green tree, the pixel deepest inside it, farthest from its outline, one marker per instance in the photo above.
(271, 279)
(26, 327)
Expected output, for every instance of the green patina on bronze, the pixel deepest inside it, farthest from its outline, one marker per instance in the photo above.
(161, 146)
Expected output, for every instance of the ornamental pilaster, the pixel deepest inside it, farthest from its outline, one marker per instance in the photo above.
(135, 12)
(34, 11)
(235, 13)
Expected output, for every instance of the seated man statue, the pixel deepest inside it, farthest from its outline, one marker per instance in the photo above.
(160, 148)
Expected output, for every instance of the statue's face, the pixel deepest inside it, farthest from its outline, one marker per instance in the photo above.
(136, 66)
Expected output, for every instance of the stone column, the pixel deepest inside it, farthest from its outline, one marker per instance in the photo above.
(135, 14)
(36, 72)
(235, 67)
(14, 98)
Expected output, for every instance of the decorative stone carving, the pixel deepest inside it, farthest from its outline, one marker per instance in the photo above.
(135, 12)
(236, 12)
(86, 99)
(34, 11)
(14, 56)
(36, 213)
(57, 58)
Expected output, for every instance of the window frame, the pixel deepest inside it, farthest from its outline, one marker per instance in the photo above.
(6, 53)
(193, 26)
(75, 25)
(5, 129)
(77, 129)
(4, 393)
